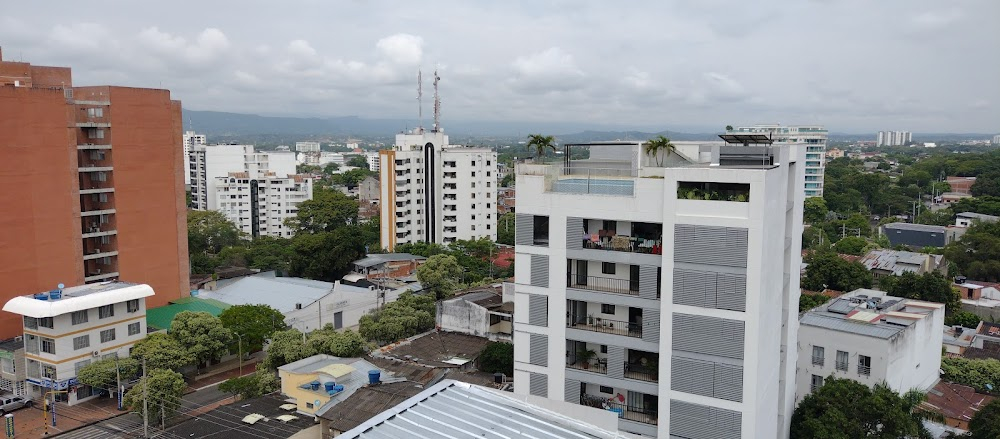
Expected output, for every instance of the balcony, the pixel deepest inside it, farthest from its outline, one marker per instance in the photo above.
(595, 365)
(607, 326)
(98, 253)
(642, 366)
(688, 190)
(603, 284)
(645, 415)
(817, 360)
(842, 366)
(618, 236)
(92, 146)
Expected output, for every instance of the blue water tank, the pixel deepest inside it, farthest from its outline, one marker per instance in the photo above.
(314, 385)
(373, 376)
(338, 388)
(329, 385)
(55, 294)
(41, 296)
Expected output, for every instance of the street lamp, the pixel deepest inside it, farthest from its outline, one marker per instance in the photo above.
(240, 347)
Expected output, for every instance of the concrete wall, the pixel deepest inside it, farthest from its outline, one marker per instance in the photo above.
(463, 316)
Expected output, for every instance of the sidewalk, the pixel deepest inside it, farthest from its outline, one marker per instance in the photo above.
(224, 371)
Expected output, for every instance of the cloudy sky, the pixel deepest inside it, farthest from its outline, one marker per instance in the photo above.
(853, 65)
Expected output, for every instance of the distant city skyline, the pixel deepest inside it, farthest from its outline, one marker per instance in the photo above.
(651, 64)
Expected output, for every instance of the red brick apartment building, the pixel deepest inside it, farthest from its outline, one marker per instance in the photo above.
(95, 186)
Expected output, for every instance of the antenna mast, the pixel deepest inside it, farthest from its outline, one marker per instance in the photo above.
(420, 102)
(437, 103)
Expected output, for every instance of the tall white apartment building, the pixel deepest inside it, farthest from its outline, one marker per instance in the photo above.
(667, 294)
(373, 161)
(871, 338)
(260, 206)
(191, 140)
(814, 137)
(67, 329)
(435, 192)
(893, 138)
(209, 162)
(996, 139)
(308, 153)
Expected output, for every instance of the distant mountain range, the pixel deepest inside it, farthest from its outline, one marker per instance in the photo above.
(237, 125)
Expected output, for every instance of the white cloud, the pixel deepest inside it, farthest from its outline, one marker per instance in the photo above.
(402, 49)
(207, 46)
(932, 20)
(549, 70)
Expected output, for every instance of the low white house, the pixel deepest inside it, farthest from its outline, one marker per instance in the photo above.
(483, 312)
(342, 307)
(869, 337)
(67, 329)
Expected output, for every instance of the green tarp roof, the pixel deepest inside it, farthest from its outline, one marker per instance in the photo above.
(160, 318)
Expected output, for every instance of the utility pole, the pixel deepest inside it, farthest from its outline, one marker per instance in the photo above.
(240, 343)
(163, 414)
(145, 400)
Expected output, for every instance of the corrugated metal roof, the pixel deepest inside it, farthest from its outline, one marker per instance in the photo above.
(894, 261)
(459, 410)
(162, 317)
(915, 227)
(838, 323)
(381, 258)
(978, 216)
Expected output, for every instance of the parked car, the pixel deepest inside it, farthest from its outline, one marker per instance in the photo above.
(9, 403)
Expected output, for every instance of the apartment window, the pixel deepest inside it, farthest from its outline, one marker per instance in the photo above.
(817, 382)
(81, 342)
(473, 217)
(488, 205)
(132, 305)
(107, 335)
(80, 365)
(608, 225)
(864, 365)
(606, 389)
(818, 355)
(473, 164)
(604, 348)
(473, 173)
(133, 328)
(607, 309)
(48, 371)
(487, 163)
(30, 322)
(473, 184)
(48, 345)
(842, 361)
(309, 405)
(488, 183)
(106, 311)
(473, 195)
(608, 267)
(95, 134)
(487, 173)
(45, 322)
(7, 365)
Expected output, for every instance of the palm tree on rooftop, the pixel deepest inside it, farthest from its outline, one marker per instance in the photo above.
(657, 144)
(541, 144)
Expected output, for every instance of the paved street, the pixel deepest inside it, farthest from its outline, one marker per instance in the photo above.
(130, 425)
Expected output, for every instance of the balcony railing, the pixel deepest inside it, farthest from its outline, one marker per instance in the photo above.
(864, 370)
(637, 371)
(596, 365)
(817, 360)
(607, 326)
(622, 243)
(604, 284)
(842, 366)
(625, 411)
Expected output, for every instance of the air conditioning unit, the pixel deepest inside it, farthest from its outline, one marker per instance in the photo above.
(19, 338)
(96, 353)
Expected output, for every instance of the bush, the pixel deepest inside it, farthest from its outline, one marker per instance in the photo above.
(963, 318)
(497, 357)
(810, 301)
(409, 315)
(259, 383)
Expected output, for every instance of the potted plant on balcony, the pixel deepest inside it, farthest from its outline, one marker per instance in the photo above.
(583, 357)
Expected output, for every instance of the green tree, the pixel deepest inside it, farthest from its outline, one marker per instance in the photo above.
(846, 409)
(103, 374)
(656, 145)
(827, 270)
(161, 351)
(259, 383)
(814, 210)
(201, 335)
(409, 315)
(852, 245)
(440, 275)
(977, 254)
(505, 229)
(810, 301)
(286, 347)
(964, 319)
(931, 287)
(980, 374)
(497, 357)
(508, 180)
(328, 210)
(985, 424)
(337, 343)
(255, 323)
(541, 144)
(358, 161)
(164, 392)
(307, 169)
(270, 253)
(352, 177)
(987, 184)
(857, 223)
(815, 238)
(209, 231)
(327, 255)
(330, 169)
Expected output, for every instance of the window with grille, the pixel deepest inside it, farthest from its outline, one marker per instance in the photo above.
(107, 335)
(46, 322)
(30, 322)
(607, 309)
(81, 342)
(133, 328)
(48, 346)
(132, 305)
(818, 355)
(106, 311)
(864, 365)
(817, 382)
(842, 361)
(80, 317)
